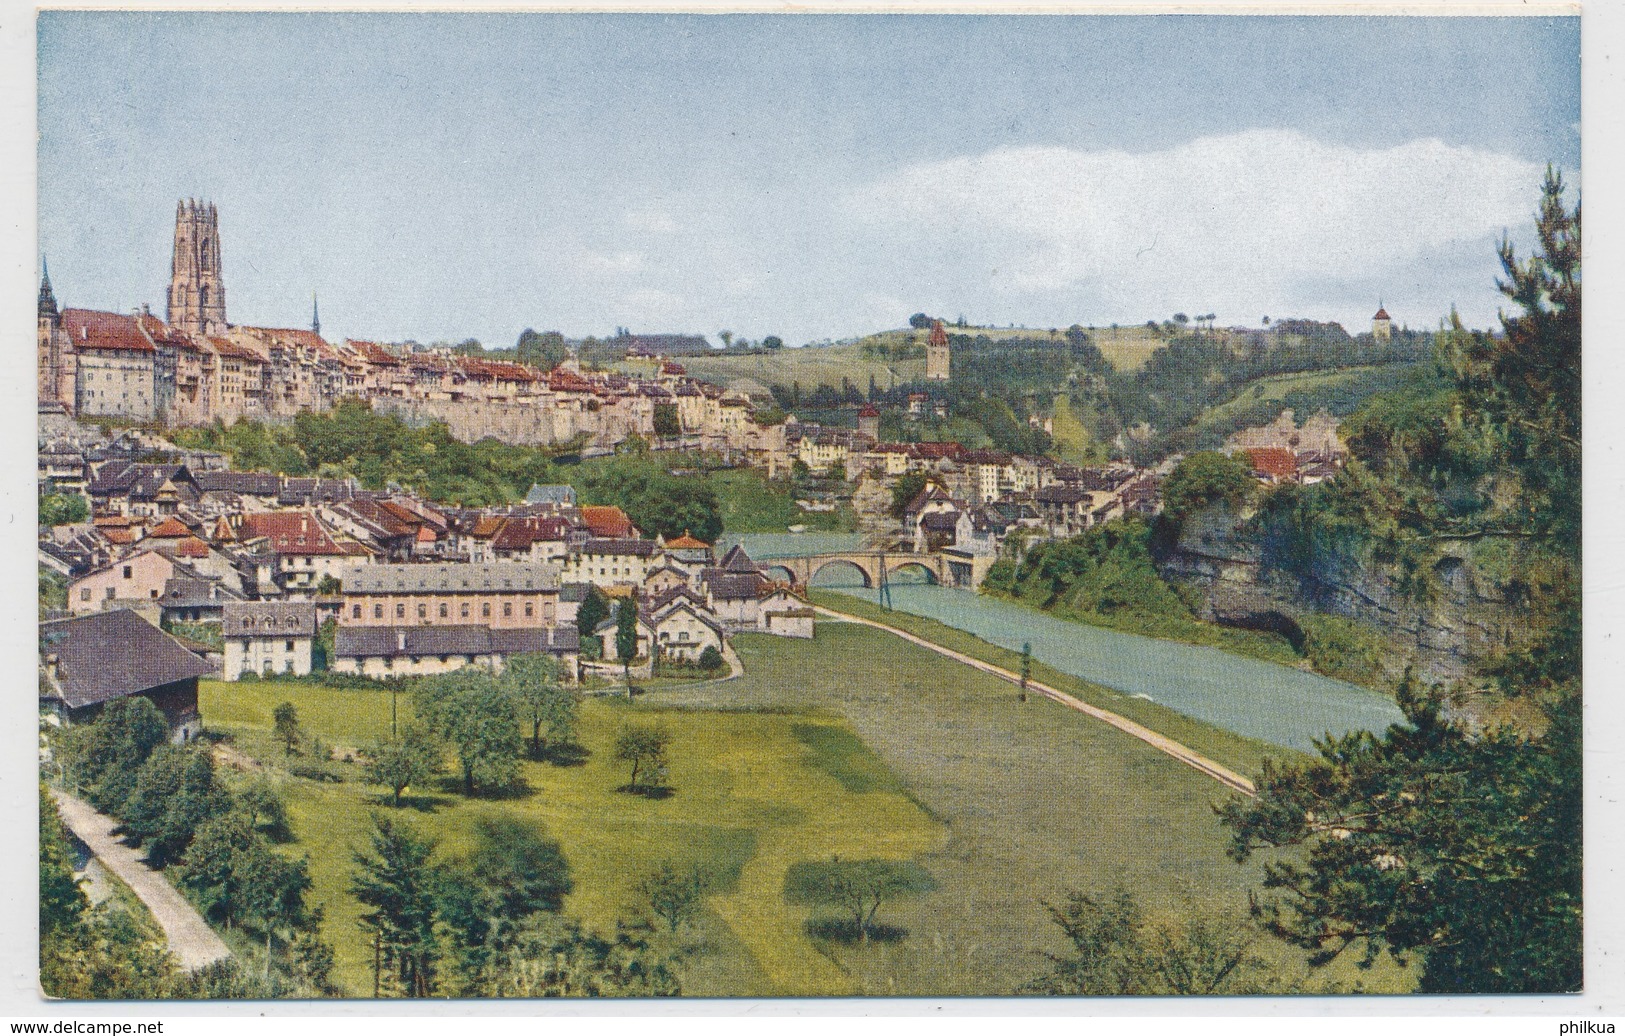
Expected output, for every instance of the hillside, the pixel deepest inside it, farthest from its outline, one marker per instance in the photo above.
(811, 367)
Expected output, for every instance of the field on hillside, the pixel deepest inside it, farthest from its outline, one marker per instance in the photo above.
(1126, 347)
(810, 367)
(855, 743)
(1328, 386)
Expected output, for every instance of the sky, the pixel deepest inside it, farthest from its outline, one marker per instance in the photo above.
(439, 177)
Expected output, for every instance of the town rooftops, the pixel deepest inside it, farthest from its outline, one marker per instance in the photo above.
(1273, 461)
(114, 654)
(290, 532)
(738, 562)
(246, 483)
(453, 577)
(687, 542)
(268, 619)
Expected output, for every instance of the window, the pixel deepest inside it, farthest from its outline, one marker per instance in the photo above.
(84, 595)
(355, 611)
(683, 636)
(507, 609)
(444, 659)
(444, 611)
(126, 571)
(109, 593)
(287, 646)
(485, 610)
(530, 609)
(400, 611)
(377, 611)
(423, 611)
(465, 609)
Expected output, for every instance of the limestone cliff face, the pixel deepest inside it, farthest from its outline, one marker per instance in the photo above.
(1466, 618)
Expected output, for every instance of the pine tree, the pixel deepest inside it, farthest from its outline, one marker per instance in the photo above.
(395, 882)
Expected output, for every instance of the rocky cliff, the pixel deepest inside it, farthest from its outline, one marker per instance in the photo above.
(1466, 616)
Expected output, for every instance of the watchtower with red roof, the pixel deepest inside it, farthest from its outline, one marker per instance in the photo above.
(1382, 327)
(936, 353)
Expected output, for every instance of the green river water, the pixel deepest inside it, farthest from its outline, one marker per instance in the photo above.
(1273, 703)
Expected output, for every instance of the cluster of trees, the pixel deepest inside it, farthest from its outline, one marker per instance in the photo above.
(63, 509)
(92, 954)
(351, 440)
(656, 500)
(1455, 848)
(490, 923)
(480, 718)
(1106, 572)
(217, 840)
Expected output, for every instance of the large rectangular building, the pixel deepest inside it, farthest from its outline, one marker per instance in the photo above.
(497, 594)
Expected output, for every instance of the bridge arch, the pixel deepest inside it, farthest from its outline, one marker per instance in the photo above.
(819, 566)
(777, 571)
(931, 576)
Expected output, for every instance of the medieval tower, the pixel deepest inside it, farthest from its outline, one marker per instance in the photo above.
(56, 360)
(1382, 327)
(197, 294)
(936, 353)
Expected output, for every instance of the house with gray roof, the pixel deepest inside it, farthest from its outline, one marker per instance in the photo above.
(86, 662)
(385, 651)
(268, 637)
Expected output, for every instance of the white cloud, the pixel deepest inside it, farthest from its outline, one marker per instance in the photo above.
(1229, 222)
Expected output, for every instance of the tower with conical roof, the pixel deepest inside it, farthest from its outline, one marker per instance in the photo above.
(1382, 328)
(197, 292)
(936, 353)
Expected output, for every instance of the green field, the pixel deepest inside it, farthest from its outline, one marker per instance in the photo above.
(810, 367)
(855, 743)
(1278, 387)
(1126, 347)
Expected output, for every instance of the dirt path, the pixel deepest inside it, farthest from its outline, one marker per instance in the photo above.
(1166, 745)
(192, 942)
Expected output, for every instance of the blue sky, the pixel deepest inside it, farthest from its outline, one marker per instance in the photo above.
(439, 177)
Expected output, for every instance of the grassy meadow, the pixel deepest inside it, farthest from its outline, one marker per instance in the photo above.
(855, 743)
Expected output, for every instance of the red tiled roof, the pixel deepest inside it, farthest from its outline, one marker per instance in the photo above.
(170, 528)
(119, 537)
(686, 542)
(1274, 461)
(291, 532)
(234, 350)
(192, 547)
(374, 353)
(1382, 314)
(606, 522)
(94, 329)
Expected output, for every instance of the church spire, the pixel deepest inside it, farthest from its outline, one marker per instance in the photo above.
(47, 298)
(315, 316)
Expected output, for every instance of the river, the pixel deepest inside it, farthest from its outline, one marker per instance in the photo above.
(1273, 703)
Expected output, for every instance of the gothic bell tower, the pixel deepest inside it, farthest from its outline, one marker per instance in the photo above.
(197, 293)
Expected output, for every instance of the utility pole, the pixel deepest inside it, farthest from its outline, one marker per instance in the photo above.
(1026, 667)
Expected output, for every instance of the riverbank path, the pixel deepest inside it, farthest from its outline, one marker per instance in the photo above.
(1166, 745)
(191, 941)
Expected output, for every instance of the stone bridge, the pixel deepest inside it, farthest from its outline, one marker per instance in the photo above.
(874, 566)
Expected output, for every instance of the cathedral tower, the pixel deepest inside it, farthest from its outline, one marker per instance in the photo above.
(197, 294)
(936, 353)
